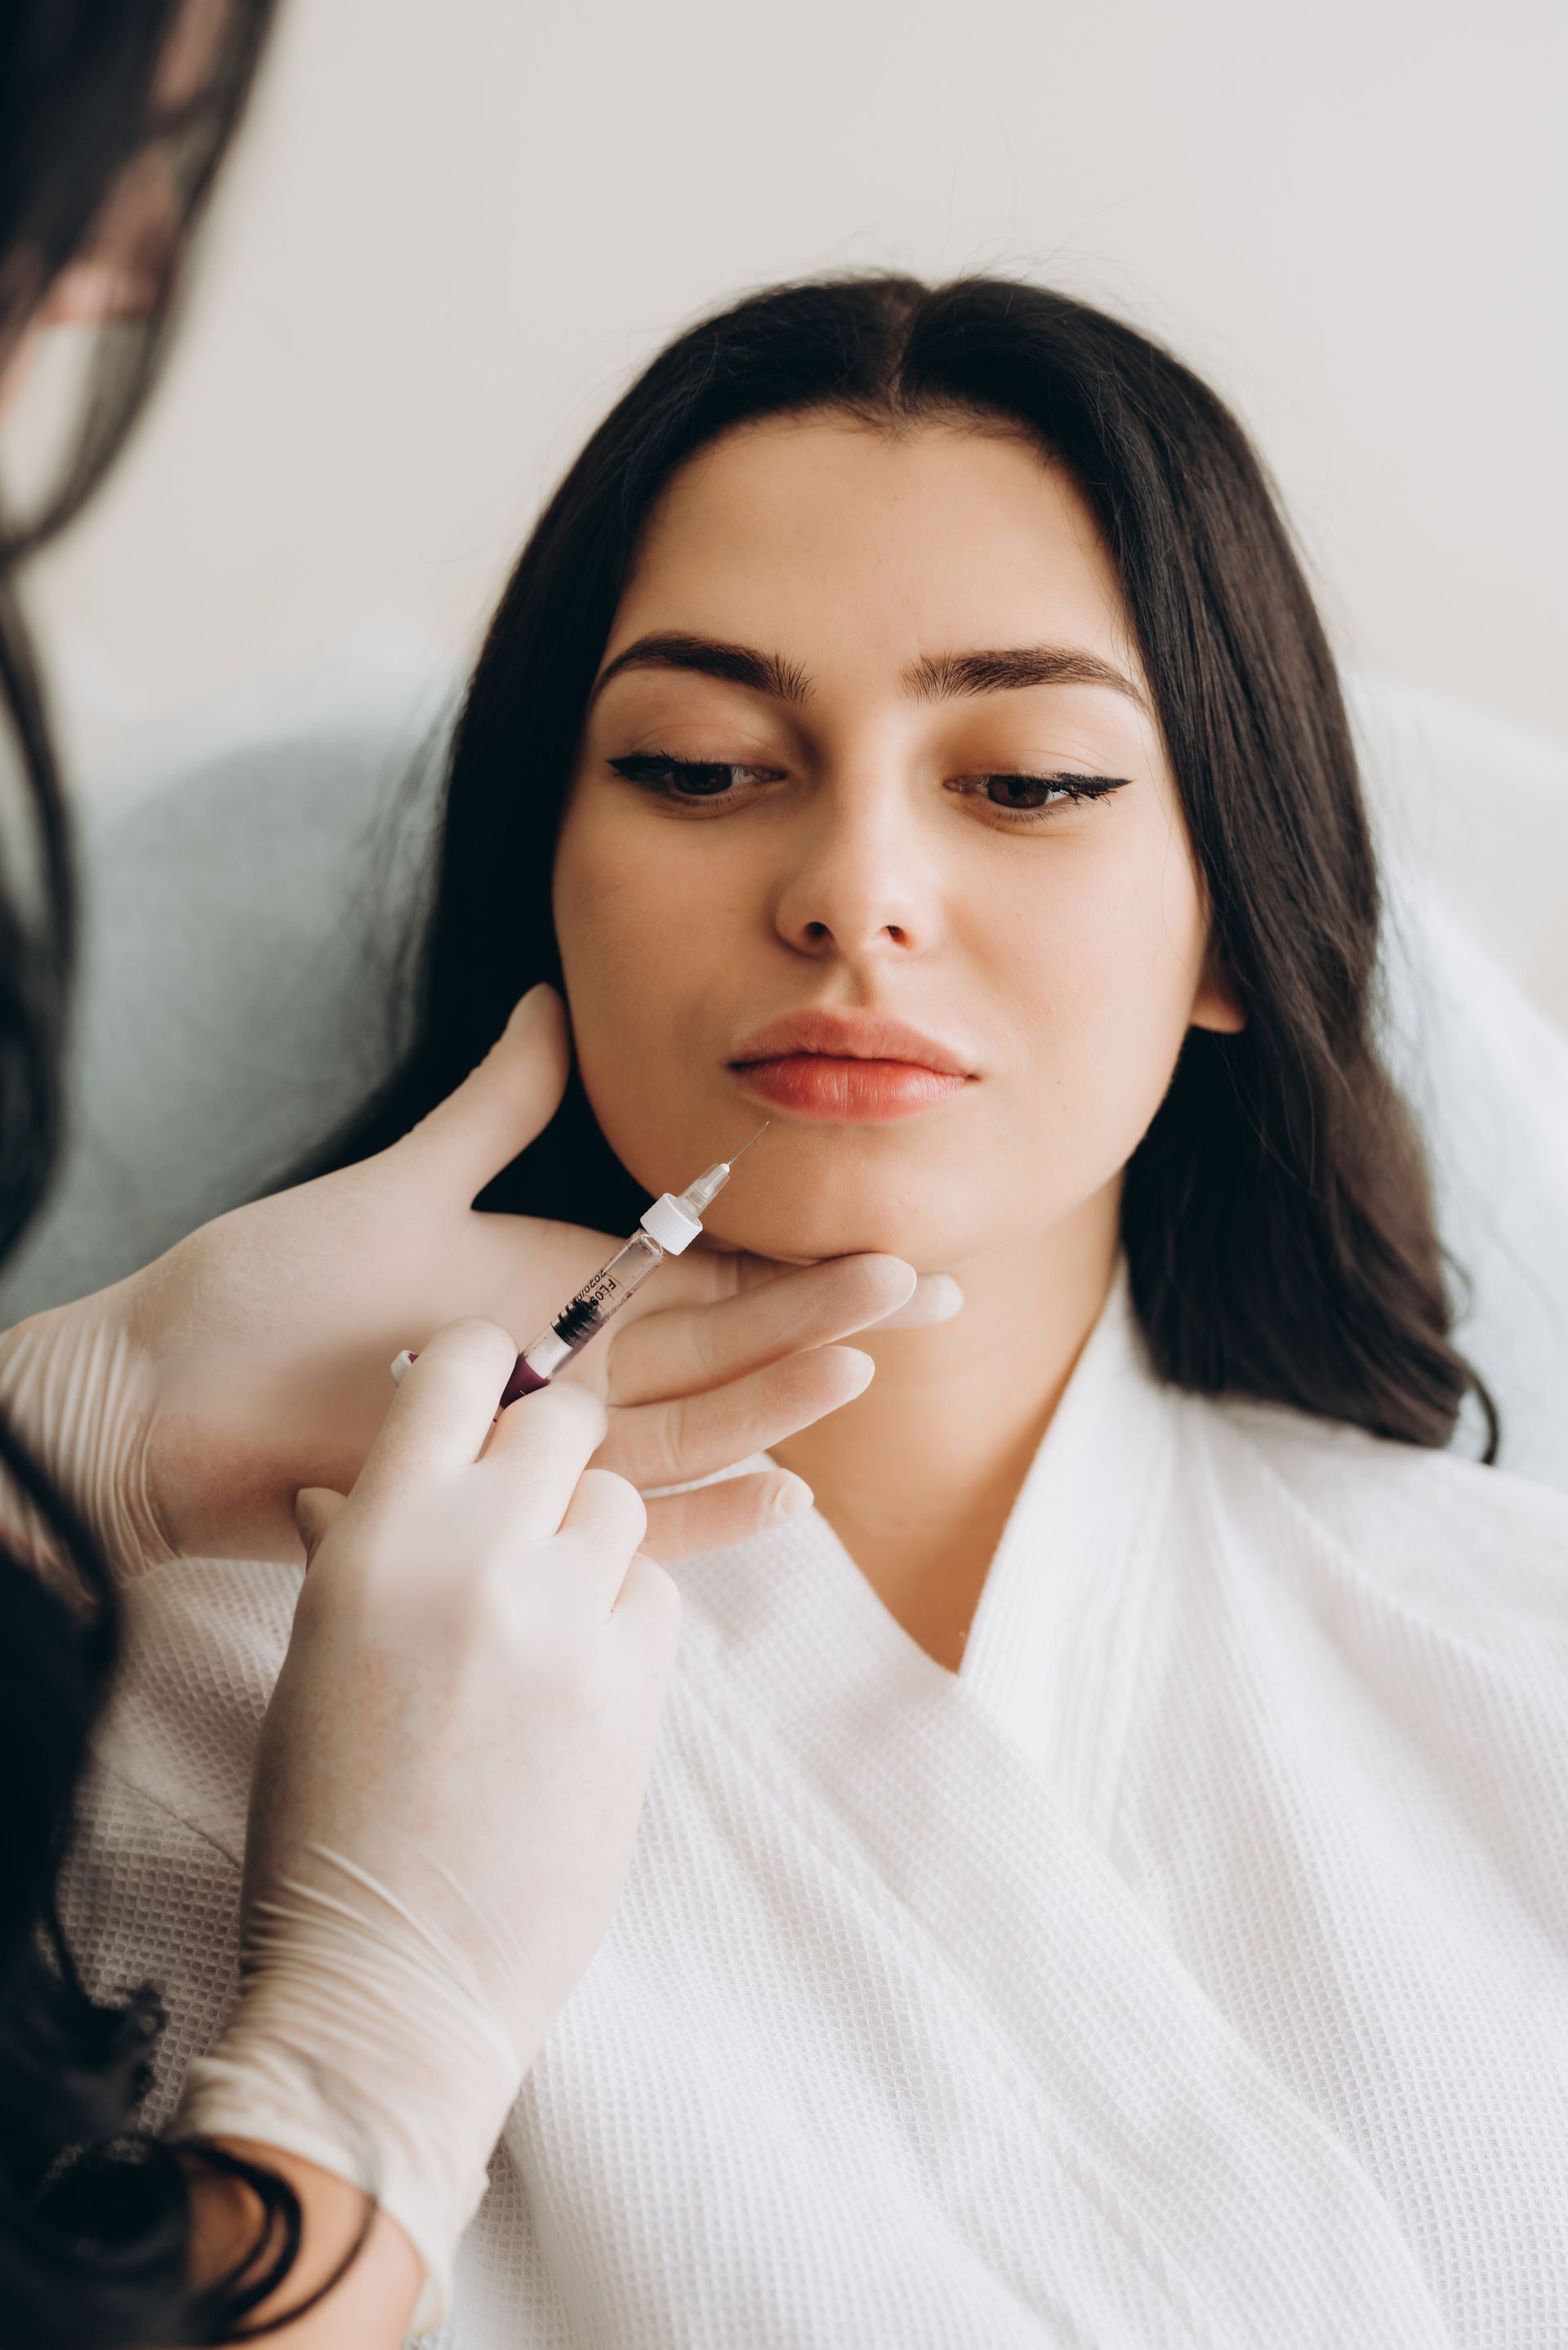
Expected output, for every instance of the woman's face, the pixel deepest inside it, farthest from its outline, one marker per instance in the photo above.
(870, 739)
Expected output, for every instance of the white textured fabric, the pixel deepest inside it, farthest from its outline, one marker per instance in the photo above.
(1192, 1967)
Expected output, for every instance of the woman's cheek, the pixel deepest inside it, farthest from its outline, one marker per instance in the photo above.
(1107, 980)
(635, 982)
(613, 946)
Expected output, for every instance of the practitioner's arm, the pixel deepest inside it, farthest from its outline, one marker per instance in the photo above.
(182, 1409)
(444, 1798)
(372, 2272)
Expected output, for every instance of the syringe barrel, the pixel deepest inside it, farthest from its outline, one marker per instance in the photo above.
(584, 1315)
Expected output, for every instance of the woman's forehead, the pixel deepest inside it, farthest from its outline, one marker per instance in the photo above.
(827, 539)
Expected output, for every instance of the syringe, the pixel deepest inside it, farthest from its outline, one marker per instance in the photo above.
(670, 1225)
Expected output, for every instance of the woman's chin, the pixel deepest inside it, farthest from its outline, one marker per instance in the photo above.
(795, 1239)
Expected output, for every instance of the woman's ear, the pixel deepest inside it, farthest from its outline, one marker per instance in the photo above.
(1217, 1004)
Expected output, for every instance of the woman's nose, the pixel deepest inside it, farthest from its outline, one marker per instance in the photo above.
(859, 880)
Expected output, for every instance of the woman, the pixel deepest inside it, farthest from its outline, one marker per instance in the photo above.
(188, 1408)
(1102, 1877)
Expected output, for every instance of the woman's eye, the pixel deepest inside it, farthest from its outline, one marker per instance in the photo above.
(1017, 799)
(1025, 796)
(688, 779)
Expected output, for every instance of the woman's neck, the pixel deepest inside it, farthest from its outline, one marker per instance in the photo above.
(917, 1476)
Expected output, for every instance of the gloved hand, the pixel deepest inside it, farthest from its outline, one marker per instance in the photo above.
(446, 1791)
(184, 1407)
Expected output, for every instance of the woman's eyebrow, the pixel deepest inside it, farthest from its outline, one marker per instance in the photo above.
(936, 677)
(944, 677)
(736, 664)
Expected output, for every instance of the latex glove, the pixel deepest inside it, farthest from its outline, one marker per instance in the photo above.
(445, 1794)
(184, 1407)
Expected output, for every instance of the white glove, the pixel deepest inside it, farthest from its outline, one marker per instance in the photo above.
(184, 1407)
(80, 1389)
(446, 1791)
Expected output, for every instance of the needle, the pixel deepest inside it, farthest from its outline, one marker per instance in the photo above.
(746, 1145)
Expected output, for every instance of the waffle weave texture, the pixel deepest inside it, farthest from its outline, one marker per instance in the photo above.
(1189, 1968)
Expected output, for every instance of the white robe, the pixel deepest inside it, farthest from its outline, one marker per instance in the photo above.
(1191, 1967)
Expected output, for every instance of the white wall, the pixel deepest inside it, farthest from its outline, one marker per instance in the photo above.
(454, 227)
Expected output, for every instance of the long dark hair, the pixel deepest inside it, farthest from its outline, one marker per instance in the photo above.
(1276, 1215)
(94, 2221)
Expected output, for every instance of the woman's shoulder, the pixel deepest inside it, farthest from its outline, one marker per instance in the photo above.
(1427, 1525)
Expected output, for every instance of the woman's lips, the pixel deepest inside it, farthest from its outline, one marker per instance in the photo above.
(826, 1086)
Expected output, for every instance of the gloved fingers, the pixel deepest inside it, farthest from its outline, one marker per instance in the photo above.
(542, 1444)
(937, 1297)
(610, 1518)
(678, 1350)
(502, 1105)
(317, 1510)
(441, 1415)
(692, 1436)
(712, 1517)
(647, 1611)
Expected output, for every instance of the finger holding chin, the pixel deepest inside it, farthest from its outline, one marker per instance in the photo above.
(717, 1516)
(670, 1443)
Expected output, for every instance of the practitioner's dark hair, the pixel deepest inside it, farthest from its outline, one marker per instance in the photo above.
(1277, 1217)
(94, 2218)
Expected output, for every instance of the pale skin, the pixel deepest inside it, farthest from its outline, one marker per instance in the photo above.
(856, 857)
(374, 2301)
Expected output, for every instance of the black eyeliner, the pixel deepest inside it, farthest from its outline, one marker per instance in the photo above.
(647, 769)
